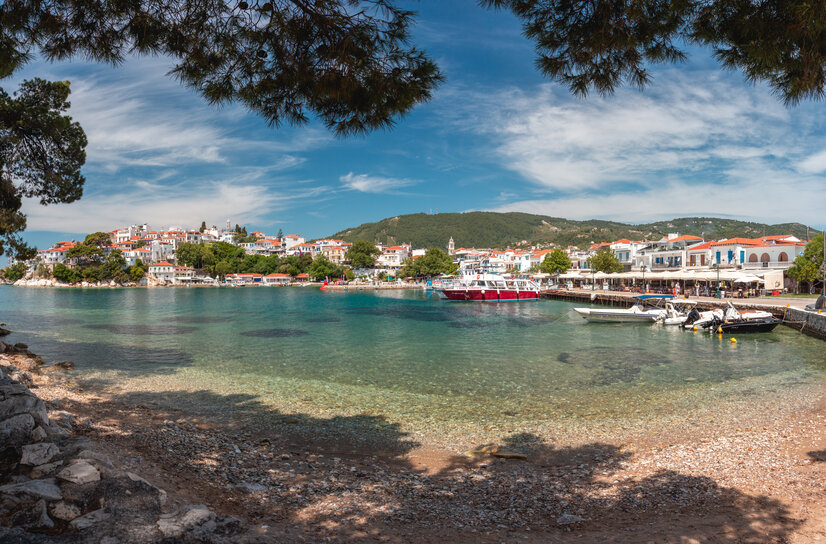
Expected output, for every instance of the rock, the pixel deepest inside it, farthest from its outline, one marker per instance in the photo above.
(33, 517)
(45, 470)
(56, 431)
(38, 434)
(65, 365)
(109, 540)
(40, 489)
(16, 399)
(21, 345)
(4, 332)
(79, 473)
(65, 511)
(161, 493)
(63, 418)
(90, 519)
(495, 451)
(567, 519)
(38, 454)
(251, 487)
(22, 376)
(176, 524)
(21, 423)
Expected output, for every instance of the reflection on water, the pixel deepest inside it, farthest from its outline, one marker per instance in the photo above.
(401, 353)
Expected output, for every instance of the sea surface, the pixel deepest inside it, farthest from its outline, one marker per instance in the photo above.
(404, 356)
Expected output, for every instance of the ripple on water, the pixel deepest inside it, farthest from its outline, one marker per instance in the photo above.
(195, 319)
(144, 330)
(403, 312)
(274, 333)
(323, 320)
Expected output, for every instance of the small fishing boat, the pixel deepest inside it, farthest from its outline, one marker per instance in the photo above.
(492, 288)
(646, 310)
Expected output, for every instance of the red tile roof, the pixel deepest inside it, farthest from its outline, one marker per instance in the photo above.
(685, 238)
(162, 263)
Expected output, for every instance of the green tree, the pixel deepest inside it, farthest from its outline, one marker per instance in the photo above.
(349, 65)
(15, 272)
(806, 267)
(601, 45)
(280, 234)
(203, 226)
(222, 268)
(322, 268)
(112, 267)
(362, 254)
(136, 272)
(434, 262)
(64, 274)
(99, 239)
(604, 260)
(556, 262)
(41, 150)
(85, 254)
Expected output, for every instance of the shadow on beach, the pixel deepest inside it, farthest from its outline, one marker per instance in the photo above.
(361, 479)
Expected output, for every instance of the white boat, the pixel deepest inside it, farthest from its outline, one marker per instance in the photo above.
(676, 311)
(641, 312)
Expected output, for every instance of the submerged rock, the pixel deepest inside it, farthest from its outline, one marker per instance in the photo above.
(89, 520)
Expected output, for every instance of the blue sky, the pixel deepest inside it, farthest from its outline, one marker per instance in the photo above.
(496, 136)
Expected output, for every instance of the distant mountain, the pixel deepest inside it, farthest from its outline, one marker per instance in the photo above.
(491, 229)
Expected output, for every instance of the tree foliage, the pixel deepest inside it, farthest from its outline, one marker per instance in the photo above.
(64, 274)
(321, 268)
(41, 152)
(434, 262)
(15, 272)
(99, 239)
(348, 64)
(85, 254)
(555, 262)
(601, 45)
(220, 258)
(806, 267)
(604, 260)
(362, 254)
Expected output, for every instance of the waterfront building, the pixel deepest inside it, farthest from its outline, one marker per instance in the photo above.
(162, 271)
(277, 279)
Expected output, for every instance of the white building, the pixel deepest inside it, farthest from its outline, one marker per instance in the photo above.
(162, 271)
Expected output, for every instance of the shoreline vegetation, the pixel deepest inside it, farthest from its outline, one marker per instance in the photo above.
(266, 473)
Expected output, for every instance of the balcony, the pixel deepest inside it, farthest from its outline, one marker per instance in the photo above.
(768, 264)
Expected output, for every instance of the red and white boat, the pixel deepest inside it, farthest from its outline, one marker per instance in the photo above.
(492, 288)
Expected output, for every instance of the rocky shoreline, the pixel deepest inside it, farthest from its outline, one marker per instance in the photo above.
(58, 486)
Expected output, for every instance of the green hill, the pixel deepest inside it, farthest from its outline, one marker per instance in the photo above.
(499, 230)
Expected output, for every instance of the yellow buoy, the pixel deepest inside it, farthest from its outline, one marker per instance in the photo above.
(720, 330)
(695, 329)
(733, 340)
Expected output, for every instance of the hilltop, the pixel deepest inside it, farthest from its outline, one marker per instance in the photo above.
(492, 229)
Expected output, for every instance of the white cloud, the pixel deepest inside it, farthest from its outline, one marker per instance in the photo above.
(373, 184)
(557, 142)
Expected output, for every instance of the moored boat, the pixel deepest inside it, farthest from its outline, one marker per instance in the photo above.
(643, 311)
(492, 288)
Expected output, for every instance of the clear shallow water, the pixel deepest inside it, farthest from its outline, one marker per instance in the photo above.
(404, 354)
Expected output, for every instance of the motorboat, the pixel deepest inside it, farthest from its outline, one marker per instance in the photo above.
(735, 321)
(492, 288)
(645, 310)
(677, 311)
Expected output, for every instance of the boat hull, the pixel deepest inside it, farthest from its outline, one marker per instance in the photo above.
(748, 326)
(617, 316)
(489, 295)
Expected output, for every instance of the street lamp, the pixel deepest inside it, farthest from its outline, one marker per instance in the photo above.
(717, 267)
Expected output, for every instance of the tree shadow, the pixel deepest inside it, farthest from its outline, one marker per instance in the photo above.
(817, 456)
(352, 479)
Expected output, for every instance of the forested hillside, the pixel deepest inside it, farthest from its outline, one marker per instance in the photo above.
(491, 229)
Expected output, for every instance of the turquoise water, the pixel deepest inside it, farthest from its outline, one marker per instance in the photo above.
(403, 354)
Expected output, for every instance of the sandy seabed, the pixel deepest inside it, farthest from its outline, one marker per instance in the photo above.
(751, 470)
